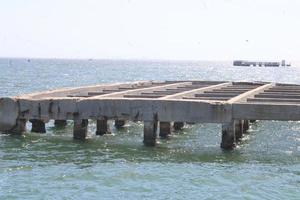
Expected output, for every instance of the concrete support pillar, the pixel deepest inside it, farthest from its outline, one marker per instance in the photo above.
(246, 125)
(60, 123)
(38, 126)
(164, 129)
(228, 135)
(102, 127)
(119, 123)
(80, 129)
(20, 127)
(150, 129)
(178, 125)
(239, 129)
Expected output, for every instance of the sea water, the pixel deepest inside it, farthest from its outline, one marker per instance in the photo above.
(188, 165)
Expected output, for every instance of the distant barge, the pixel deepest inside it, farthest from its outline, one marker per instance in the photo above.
(260, 64)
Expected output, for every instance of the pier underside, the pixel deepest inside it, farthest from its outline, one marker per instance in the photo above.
(162, 106)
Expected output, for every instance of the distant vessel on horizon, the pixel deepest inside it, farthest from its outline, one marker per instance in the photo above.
(247, 63)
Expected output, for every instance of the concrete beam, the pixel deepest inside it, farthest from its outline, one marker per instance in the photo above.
(191, 93)
(250, 94)
(63, 92)
(269, 111)
(167, 110)
(142, 90)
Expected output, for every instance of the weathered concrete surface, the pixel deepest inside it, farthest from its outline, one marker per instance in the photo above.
(284, 112)
(228, 135)
(179, 101)
(166, 110)
(9, 112)
(150, 132)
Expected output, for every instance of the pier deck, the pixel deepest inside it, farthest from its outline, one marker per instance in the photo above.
(157, 104)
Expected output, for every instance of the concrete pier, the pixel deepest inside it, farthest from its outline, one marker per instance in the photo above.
(245, 125)
(150, 132)
(102, 127)
(19, 128)
(228, 135)
(239, 129)
(164, 129)
(178, 126)
(231, 104)
(80, 129)
(38, 126)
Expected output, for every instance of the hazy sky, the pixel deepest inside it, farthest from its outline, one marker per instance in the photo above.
(151, 29)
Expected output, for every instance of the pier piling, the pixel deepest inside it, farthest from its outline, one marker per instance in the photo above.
(228, 135)
(150, 129)
(80, 129)
(239, 129)
(102, 127)
(245, 126)
(19, 128)
(164, 129)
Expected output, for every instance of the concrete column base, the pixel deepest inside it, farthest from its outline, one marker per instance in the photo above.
(178, 126)
(80, 129)
(119, 123)
(164, 129)
(20, 127)
(60, 123)
(102, 127)
(228, 135)
(246, 125)
(239, 129)
(38, 126)
(150, 129)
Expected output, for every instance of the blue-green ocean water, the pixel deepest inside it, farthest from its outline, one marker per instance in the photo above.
(189, 165)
